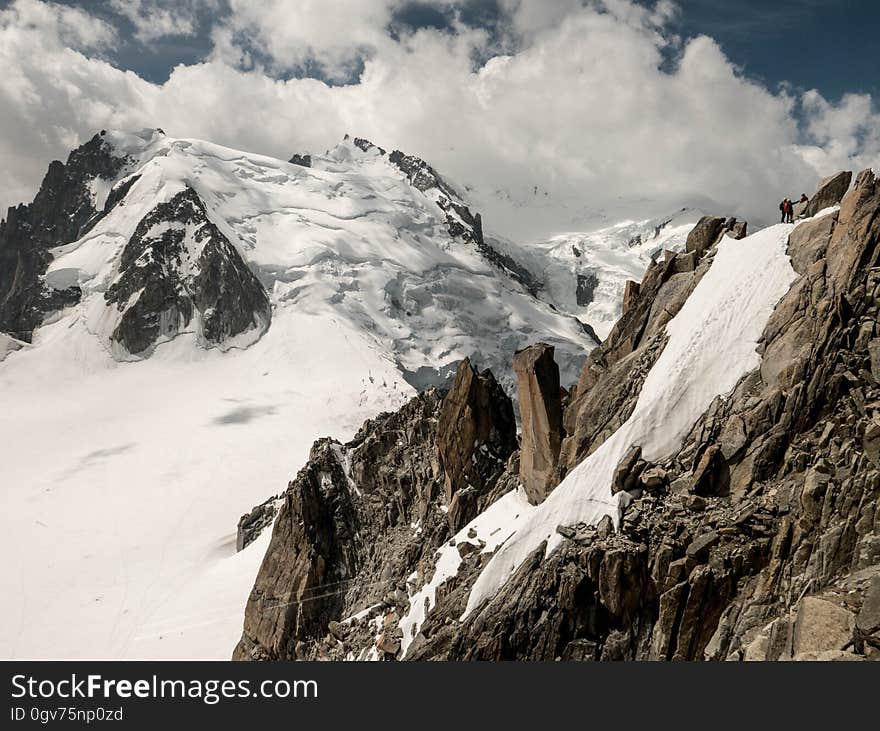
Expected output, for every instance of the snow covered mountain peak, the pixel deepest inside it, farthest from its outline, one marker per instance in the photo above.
(189, 238)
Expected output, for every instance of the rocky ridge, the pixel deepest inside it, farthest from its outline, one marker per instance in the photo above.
(360, 523)
(460, 221)
(64, 209)
(759, 539)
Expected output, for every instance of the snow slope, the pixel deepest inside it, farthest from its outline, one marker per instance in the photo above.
(712, 344)
(123, 482)
(123, 478)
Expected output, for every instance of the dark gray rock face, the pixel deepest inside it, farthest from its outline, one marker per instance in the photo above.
(251, 524)
(177, 265)
(586, 288)
(366, 145)
(301, 160)
(61, 212)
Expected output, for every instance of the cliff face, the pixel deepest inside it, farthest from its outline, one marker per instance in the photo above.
(64, 209)
(179, 267)
(759, 538)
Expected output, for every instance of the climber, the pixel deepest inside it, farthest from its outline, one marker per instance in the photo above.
(782, 209)
(804, 198)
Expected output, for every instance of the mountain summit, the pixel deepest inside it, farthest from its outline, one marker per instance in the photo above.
(150, 238)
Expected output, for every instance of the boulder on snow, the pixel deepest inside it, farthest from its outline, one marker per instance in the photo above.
(704, 234)
(537, 377)
(301, 160)
(830, 192)
(737, 229)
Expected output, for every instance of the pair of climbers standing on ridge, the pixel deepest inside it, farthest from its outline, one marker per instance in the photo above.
(787, 208)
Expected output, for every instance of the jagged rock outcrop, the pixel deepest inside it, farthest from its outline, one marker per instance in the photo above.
(540, 406)
(301, 160)
(476, 436)
(830, 192)
(345, 536)
(178, 268)
(63, 210)
(357, 529)
(254, 522)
